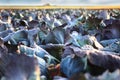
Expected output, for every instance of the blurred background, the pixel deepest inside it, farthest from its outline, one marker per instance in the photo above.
(60, 2)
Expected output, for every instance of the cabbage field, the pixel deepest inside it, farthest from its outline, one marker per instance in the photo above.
(59, 44)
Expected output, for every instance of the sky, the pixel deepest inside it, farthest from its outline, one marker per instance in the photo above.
(60, 2)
